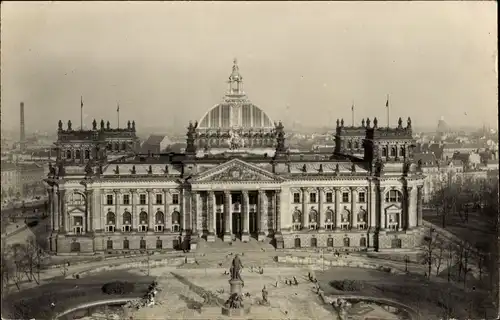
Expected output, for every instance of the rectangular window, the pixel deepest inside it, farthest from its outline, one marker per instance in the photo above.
(361, 197)
(142, 199)
(329, 197)
(159, 244)
(345, 196)
(312, 197)
(175, 198)
(125, 244)
(159, 199)
(296, 197)
(109, 199)
(109, 244)
(142, 244)
(126, 199)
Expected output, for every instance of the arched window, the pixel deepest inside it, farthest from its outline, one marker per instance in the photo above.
(76, 199)
(356, 145)
(349, 145)
(314, 242)
(176, 218)
(393, 151)
(143, 221)
(77, 155)
(393, 196)
(159, 221)
(403, 152)
(329, 220)
(362, 242)
(124, 146)
(127, 221)
(68, 154)
(87, 154)
(297, 220)
(384, 152)
(345, 219)
(110, 222)
(313, 219)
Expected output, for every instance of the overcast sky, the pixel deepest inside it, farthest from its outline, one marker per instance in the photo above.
(167, 63)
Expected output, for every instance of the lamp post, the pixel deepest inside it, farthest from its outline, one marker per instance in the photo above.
(406, 262)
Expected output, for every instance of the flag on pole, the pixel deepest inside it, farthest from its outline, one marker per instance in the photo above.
(118, 107)
(352, 107)
(387, 102)
(81, 102)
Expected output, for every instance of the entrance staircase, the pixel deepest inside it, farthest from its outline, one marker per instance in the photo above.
(237, 246)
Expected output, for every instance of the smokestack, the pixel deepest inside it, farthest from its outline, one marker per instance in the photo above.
(22, 135)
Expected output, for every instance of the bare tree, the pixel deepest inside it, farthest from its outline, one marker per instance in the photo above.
(440, 245)
(31, 253)
(429, 247)
(19, 260)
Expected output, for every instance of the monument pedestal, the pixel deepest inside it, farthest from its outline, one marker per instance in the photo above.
(234, 305)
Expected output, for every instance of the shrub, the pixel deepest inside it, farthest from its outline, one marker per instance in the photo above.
(118, 287)
(347, 285)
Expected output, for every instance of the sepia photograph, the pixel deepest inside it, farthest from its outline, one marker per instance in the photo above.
(249, 160)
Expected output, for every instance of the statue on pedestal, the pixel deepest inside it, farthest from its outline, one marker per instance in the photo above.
(234, 305)
(235, 269)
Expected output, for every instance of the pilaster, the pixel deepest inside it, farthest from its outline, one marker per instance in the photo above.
(305, 212)
(354, 214)
(245, 237)
(382, 215)
(419, 206)
(62, 205)
(118, 216)
(262, 215)
(277, 195)
(151, 214)
(135, 214)
(337, 208)
(321, 222)
(166, 211)
(55, 209)
(211, 216)
(228, 236)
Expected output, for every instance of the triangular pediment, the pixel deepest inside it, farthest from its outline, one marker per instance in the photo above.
(78, 209)
(237, 170)
(393, 208)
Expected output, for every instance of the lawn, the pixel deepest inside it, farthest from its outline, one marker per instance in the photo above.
(65, 294)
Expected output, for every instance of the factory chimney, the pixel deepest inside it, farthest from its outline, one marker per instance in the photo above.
(22, 135)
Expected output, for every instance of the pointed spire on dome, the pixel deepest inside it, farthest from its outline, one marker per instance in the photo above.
(235, 79)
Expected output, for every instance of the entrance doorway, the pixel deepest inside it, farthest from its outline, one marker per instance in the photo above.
(237, 224)
(254, 230)
(219, 223)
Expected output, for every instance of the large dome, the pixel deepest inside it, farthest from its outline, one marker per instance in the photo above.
(230, 115)
(236, 110)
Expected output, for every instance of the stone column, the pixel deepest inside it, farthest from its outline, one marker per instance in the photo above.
(118, 215)
(166, 202)
(262, 215)
(408, 210)
(211, 216)
(199, 213)
(419, 206)
(277, 195)
(55, 209)
(305, 213)
(62, 212)
(321, 214)
(246, 219)
(228, 234)
(50, 207)
(89, 210)
(151, 214)
(354, 213)
(184, 220)
(337, 208)
(194, 212)
(135, 214)
(372, 205)
(382, 216)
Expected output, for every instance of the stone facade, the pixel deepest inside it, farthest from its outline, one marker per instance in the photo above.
(167, 201)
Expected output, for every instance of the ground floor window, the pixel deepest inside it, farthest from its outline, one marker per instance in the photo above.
(75, 247)
(297, 242)
(346, 242)
(314, 242)
(362, 242)
(125, 244)
(159, 244)
(396, 243)
(109, 244)
(329, 242)
(142, 244)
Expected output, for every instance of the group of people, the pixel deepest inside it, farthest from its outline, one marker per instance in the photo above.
(292, 282)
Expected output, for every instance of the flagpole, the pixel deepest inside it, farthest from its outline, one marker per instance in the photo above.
(352, 110)
(387, 107)
(81, 113)
(118, 113)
